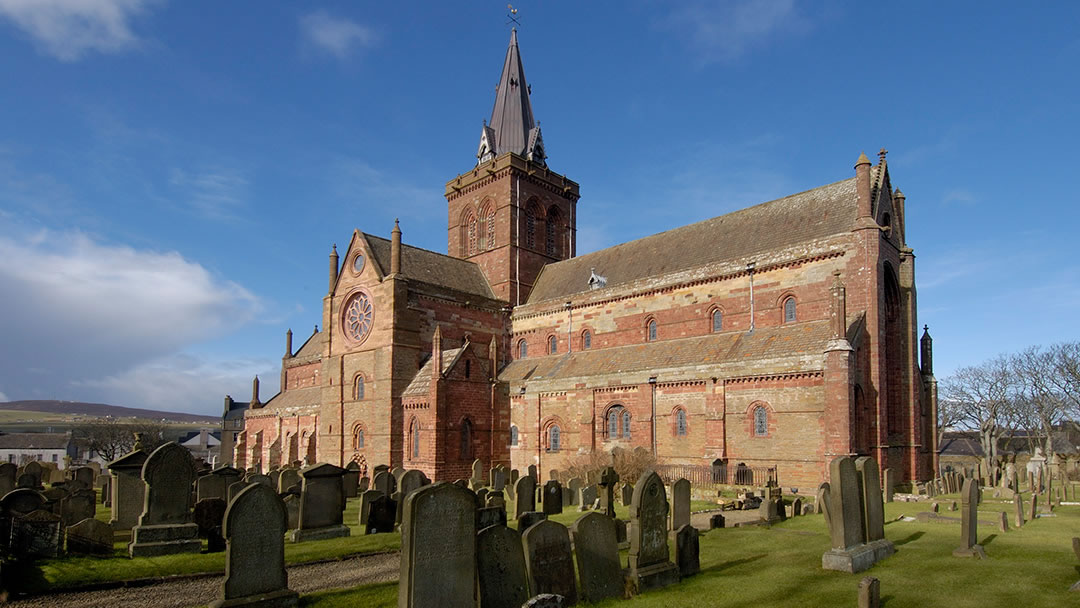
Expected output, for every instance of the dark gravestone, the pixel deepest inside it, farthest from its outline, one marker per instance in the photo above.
(36, 534)
(869, 593)
(35, 472)
(322, 503)
(490, 516)
(717, 521)
(255, 525)
(259, 478)
(288, 478)
(529, 519)
(165, 526)
(351, 480)
(525, 489)
(84, 475)
(209, 515)
(969, 523)
(596, 546)
(548, 560)
(500, 568)
(650, 563)
(411, 481)
(77, 506)
(608, 480)
(8, 475)
(553, 497)
(627, 494)
(796, 507)
(381, 514)
(366, 499)
(363, 485)
(90, 537)
(126, 490)
(385, 483)
(680, 504)
(1019, 504)
(687, 550)
(211, 486)
(438, 548)
(587, 498)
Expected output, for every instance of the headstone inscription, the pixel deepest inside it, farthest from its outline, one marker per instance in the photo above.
(438, 547)
(549, 561)
(322, 503)
(650, 564)
(500, 568)
(596, 548)
(165, 526)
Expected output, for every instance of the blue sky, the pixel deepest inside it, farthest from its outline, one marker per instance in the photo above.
(172, 174)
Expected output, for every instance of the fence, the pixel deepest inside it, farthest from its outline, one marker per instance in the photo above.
(718, 475)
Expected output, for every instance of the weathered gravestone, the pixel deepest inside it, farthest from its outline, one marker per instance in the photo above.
(890, 484)
(627, 494)
(351, 479)
(869, 593)
(364, 485)
(211, 486)
(680, 504)
(587, 498)
(687, 550)
(1003, 524)
(397, 472)
(410, 482)
(53, 497)
(77, 506)
(209, 515)
(1019, 503)
(532, 473)
(381, 514)
(872, 503)
(165, 526)
(438, 547)
(292, 506)
(549, 561)
(234, 489)
(36, 534)
(767, 511)
(16, 503)
(969, 522)
(495, 498)
(854, 510)
(288, 478)
(259, 478)
(573, 487)
(321, 504)
(385, 483)
(84, 475)
(525, 489)
(35, 471)
(490, 516)
(595, 543)
(500, 568)
(608, 480)
(255, 575)
(553, 497)
(529, 519)
(8, 472)
(477, 477)
(498, 478)
(366, 499)
(820, 497)
(90, 537)
(127, 490)
(796, 507)
(650, 563)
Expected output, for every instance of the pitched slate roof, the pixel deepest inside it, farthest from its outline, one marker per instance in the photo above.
(432, 268)
(421, 383)
(799, 218)
(310, 351)
(294, 397)
(512, 116)
(713, 349)
(34, 441)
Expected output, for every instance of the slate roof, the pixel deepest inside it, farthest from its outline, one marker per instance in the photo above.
(237, 409)
(310, 352)
(799, 218)
(960, 444)
(713, 349)
(432, 268)
(512, 116)
(34, 441)
(421, 382)
(294, 397)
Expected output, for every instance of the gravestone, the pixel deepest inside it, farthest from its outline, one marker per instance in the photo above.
(854, 510)
(351, 480)
(1003, 525)
(650, 564)
(498, 478)
(500, 568)
(438, 547)
(573, 487)
(490, 516)
(687, 550)
(127, 490)
(26, 481)
(530, 518)
(365, 504)
(165, 526)
(873, 509)
(1019, 503)
(259, 478)
(288, 478)
(553, 497)
(532, 473)
(397, 472)
(969, 522)
(364, 485)
(90, 537)
(869, 593)
(292, 506)
(17, 503)
(211, 486)
(234, 489)
(209, 515)
(796, 507)
(548, 560)
(819, 498)
(84, 475)
(35, 471)
(322, 502)
(478, 473)
(717, 521)
(680, 504)
(627, 494)
(255, 525)
(410, 481)
(380, 468)
(596, 546)
(495, 499)
(588, 497)
(36, 534)
(385, 483)
(525, 489)
(890, 484)
(381, 515)
(77, 506)
(608, 480)
(275, 478)
(8, 474)
(1034, 506)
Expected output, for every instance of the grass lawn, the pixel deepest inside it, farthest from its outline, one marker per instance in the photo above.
(1031, 567)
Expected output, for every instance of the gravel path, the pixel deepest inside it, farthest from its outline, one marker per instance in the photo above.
(202, 591)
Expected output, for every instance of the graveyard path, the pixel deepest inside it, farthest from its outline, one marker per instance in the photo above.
(201, 591)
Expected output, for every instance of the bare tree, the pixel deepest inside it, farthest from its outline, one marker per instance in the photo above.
(950, 415)
(983, 395)
(111, 438)
(1043, 390)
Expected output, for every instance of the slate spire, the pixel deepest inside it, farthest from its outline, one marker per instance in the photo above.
(512, 127)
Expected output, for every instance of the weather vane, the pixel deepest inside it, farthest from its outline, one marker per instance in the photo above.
(512, 15)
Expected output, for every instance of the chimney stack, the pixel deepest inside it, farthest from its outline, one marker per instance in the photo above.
(255, 393)
(395, 250)
(333, 268)
(288, 343)
(862, 186)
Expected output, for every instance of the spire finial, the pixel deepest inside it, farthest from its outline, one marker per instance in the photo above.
(512, 16)
(881, 154)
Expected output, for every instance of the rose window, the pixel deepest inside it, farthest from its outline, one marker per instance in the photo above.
(359, 315)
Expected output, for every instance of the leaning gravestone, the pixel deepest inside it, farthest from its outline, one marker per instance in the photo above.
(969, 522)
(255, 575)
(680, 504)
(549, 561)
(553, 497)
(321, 504)
(500, 568)
(650, 563)
(587, 498)
(687, 555)
(127, 490)
(165, 526)
(525, 489)
(438, 547)
(90, 537)
(597, 557)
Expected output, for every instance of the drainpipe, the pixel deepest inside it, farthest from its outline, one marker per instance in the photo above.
(750, 269)
(652, 387)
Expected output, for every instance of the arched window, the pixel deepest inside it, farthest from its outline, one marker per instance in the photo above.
(554, 438)
(680, 422)
(358, 437)
(761, 421)
(490, 228)
(717, 320)
(613, 422)
(553, 345)
(466, 440)
(414, 440)
(789, 310)
(586, 339)
(523, 349)
(513, 436)
(626, 424)
(651, 330)
(358, 388)
(551, 229)
(473, 234)
(530, 226)
(618, 423)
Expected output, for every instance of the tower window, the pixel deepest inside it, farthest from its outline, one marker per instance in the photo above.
(717, 320)
(490, 228)
(586, 339)
(789, 310)
(551, 230)
(651, 330)
(553, 345)
(523, 349)
(530, 227)
(472, 235)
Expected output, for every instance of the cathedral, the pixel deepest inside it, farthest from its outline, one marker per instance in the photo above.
(781, 335)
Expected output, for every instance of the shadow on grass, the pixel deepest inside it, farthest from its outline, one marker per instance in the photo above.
(988, 540)
(734, 562)
(911, 537)
(24, 576)
(885, 599)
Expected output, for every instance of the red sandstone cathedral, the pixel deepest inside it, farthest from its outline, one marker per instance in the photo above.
(780, 335)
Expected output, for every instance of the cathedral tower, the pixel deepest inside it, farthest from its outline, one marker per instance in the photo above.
(510, 214)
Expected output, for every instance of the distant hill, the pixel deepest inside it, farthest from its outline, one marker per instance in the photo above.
(78, 408)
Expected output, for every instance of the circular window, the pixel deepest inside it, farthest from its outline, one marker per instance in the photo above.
(358, 262)
(358, 317)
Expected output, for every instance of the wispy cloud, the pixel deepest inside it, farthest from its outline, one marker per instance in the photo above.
(337, 36)
(358, 181)
(726, 31)
(67, 29)
(214, 192)
(958, 196)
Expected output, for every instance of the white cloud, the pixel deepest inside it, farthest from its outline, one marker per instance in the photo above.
(215, 192)
(3, 397)
(66, 29)
(336, 35)
(726, 31)
(76, 309)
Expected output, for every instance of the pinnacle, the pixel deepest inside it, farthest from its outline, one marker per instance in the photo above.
(862, 160)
